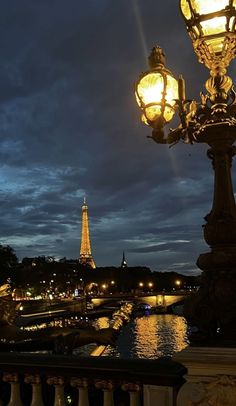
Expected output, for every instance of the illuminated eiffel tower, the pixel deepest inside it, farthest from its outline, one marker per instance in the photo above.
(85, 247)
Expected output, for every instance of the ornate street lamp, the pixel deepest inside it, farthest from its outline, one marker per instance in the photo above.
(156, 92)
(211, 26)
(212, 120)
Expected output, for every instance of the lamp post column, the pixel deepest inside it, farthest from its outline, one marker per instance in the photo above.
(213, 309)
(220, 230)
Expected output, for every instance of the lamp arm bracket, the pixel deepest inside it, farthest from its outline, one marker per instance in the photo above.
(172, 138)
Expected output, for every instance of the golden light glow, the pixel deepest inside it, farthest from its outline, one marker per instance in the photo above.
(185, 9)
(153, 333)
(151, 97)
(178, 282)
(203, 6)
(150, 88)
(101, 322)
(215, 45)
(214, 26)
(146, 340)
(208, 6)
(179, 333)
(140, 284)
(213, 35)
(150, 284)
(85, 247)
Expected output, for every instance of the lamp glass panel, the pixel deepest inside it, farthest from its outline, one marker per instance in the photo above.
(234, 3)
(153, 112)
(150, 96)
(214, 26)
(184, 5)
(208, 6)
(168, 113)
(171, 90)
(150, 88)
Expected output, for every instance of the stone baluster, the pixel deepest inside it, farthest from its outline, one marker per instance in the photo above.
(107, 388)
(82, 385)
(35, 381)
(58, 383)
(134, 393)
(15, 398)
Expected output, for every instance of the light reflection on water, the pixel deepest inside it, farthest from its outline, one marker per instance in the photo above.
(150, 337)
(102, 322)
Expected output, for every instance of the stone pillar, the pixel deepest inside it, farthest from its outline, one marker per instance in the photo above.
(35, 381)
(82, 386)
(58, 383)
(107, 387)
(211, 377)
(134, 393)
(15, 398)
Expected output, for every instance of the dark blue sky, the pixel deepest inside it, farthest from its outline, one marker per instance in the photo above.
(69, 127)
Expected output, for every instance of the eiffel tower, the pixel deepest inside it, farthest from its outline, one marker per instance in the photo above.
(85, 257)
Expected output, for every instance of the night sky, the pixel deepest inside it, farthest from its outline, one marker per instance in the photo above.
(70, 127)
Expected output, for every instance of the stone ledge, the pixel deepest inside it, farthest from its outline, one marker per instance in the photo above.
(207, 361)
(211, 377)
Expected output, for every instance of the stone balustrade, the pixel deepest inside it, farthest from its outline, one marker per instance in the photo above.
(57, 380)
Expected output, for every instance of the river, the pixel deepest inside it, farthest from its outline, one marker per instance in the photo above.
(149, 336)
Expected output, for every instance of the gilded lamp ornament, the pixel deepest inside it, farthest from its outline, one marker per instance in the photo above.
(211, 26)
(210, 120)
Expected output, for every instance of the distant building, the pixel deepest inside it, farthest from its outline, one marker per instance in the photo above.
(124, 263)
(85, 256)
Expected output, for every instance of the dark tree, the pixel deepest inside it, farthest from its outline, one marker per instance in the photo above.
(8, 262)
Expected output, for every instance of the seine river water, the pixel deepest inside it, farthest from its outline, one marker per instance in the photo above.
(150, 336)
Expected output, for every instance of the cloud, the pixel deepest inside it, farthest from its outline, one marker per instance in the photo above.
(170, 246)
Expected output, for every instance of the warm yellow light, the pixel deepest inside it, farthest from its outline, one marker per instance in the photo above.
(184, 5)
(101, 322)
(151, 95)
(178, 282)
(150, 88)
(150, 284)
(208, 6)
(202, 7)
(112, 282)
(211, 26)
(104, 286)
(140, 284)
(214, 26)
(215, 45)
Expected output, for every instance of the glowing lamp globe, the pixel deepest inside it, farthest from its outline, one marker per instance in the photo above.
(211, 26)
(156, 91)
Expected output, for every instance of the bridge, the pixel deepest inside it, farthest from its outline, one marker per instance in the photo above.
(154, 299)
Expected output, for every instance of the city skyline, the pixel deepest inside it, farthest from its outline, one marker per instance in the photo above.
(70, 127)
